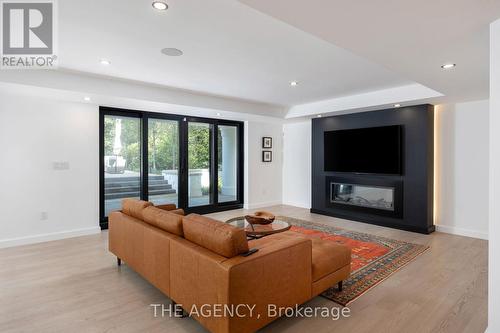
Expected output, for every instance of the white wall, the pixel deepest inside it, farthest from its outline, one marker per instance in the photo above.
(494, 172)
(461, 173)
(297, 164)
(34, 133)
(263, 181)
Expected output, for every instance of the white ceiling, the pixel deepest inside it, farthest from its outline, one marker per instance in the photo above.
(239, 56)
(412, 38)
(229, 49)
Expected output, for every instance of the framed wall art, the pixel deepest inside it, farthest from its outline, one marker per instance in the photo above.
(267, 156)
(267, 142)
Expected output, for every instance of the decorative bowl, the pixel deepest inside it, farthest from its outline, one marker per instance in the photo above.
(260, 218)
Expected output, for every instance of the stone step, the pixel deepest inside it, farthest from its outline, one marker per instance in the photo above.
(133, 194)
(131, 178)
(123, 189)
(133, 183)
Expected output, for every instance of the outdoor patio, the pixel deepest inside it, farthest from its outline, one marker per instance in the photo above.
(127, 185)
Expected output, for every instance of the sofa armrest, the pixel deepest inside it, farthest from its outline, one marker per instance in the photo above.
(278, 275)
(172, 209)
(167, 207)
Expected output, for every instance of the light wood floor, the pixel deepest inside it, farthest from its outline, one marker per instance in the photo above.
(74, 285)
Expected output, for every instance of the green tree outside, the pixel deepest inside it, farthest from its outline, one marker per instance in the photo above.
(163, 141)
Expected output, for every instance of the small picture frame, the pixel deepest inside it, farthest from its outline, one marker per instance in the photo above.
(267, 142)
(267, 156)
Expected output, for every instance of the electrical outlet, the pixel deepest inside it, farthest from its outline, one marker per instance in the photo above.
(60, 165)
(44, 216)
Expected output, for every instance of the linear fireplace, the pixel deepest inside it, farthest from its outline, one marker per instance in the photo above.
(375, 195)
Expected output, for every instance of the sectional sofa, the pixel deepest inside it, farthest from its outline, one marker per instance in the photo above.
(196, 261)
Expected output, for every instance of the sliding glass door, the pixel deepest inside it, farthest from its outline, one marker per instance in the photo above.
(227, 166)
(200, 191)
(194, 163)
(163, 161)
(121, 161)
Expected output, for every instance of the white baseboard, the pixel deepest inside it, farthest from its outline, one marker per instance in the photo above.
(462, 232)
(261, 204)
(4, 243)
(297, 204)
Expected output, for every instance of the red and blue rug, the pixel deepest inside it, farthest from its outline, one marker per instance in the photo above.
(374, 258)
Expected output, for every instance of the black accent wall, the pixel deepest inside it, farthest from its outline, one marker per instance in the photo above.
(417, 178)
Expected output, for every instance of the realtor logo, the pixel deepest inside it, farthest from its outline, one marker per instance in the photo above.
(28, 34)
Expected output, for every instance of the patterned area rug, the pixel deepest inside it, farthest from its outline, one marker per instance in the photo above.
(374, 258)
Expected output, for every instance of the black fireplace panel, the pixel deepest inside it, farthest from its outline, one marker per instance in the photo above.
(403, 201)
(378, 196)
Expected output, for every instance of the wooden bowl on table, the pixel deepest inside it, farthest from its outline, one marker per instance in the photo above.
(260, 218)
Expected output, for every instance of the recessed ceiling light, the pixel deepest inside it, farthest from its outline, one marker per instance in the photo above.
(319, 116)
(160, 5)
(105, 62)
(449, 66)
(397, 105)
(218, 114)
(172, 52)
(294, 83)
(86, 99)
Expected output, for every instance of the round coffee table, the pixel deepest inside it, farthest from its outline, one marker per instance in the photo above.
(260, 230)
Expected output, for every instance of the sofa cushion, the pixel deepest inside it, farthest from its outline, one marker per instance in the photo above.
(134, 208)
(165, 220)
(178, 211)
(221, 238)
(168, 207)
(328, 257)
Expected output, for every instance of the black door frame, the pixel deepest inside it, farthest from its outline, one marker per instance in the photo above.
(183, 122)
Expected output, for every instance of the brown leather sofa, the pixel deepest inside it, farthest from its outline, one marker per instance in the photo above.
(196, 260)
